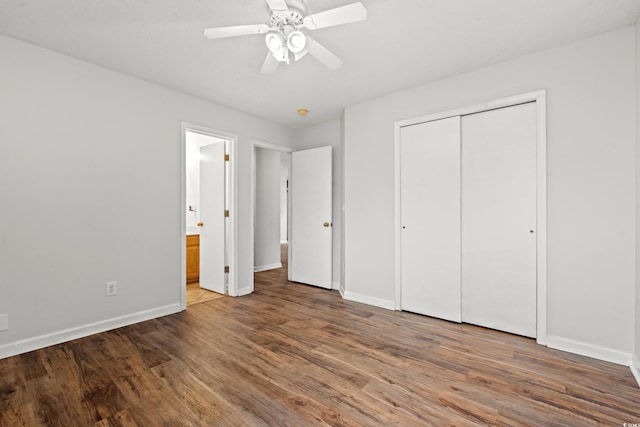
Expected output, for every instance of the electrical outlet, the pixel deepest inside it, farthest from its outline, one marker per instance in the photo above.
(112, 288)
(4, 322)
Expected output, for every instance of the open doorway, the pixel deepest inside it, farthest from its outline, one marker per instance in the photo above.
(309, 212)
(270, 215)
(271, 165)
(207, 222)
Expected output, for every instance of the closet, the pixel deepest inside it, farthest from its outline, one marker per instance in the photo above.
(468, 195)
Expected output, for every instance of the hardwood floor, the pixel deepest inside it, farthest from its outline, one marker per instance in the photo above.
(295, 355)
(196, 295)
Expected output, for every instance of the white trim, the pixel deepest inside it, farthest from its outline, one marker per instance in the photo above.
(244, 291)
(233, 206)
(476, 108)
(270, 146)
(397, 218)
(589, 350)
(273, 266)
(183, 215)
(341, 290)
(541, 215)
(282, 242)
(366, 299)
(255, 143)
(336, 285)
(541, 160)
(635, 368)
(42, 341)
(233, 217)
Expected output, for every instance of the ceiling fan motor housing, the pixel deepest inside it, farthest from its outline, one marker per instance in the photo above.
(281, 18)
(284, 33)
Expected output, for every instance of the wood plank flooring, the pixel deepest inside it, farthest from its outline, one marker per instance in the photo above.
(295, 355)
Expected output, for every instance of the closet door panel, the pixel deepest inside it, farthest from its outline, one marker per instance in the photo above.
(499, 219)
(430, 217)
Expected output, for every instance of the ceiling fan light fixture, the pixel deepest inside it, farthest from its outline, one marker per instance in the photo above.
(274, 42)
(284, 37)
(296, 41)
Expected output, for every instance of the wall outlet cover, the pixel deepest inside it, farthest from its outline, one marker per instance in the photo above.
(112, 288)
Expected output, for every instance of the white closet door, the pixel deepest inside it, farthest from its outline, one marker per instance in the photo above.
(499, 219)
(430, 216)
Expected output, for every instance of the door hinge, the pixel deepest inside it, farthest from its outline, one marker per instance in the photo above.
(226, 269)
(226, 157)
(226, 213)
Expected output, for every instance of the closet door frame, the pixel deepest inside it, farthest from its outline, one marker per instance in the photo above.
(539, 97)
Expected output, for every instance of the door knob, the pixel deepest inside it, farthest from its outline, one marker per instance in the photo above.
(326, 224)
(200, 224)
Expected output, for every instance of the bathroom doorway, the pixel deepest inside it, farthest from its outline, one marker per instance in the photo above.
(207, 225)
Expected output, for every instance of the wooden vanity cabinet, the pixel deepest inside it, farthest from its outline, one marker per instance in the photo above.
(193, 258)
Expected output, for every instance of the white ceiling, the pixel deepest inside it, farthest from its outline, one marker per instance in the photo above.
(403, 43)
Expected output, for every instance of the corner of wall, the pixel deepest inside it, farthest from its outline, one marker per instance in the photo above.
(635, 368)
(635, 361)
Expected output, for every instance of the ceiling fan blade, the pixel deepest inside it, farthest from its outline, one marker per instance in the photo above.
(323, 55)
(353, 12)
(238, 30)
(277, 5)
(270, 64)
(299, 55)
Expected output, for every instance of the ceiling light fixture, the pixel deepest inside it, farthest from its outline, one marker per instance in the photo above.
(284, 31)
(302, 111)
(276, 46)
(274, 42)
(296, 41)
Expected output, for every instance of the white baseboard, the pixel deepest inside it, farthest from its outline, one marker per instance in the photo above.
(365, 299)
(244, 291)
(341, 290)
(283, 242)
(635, 368)
(42, 341)
(336, 285)
(260, 268)
(589, 350)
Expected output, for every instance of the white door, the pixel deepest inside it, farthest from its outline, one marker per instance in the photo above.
(430, 218)
(499, 219)
(311, 217)
(212, 231)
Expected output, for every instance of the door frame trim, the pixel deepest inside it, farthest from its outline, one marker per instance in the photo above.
(233, 206)
(539, 97)
(255, 143)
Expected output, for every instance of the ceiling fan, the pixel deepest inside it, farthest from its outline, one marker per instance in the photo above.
(284, 34)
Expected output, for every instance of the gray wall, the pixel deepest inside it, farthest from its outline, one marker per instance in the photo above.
(636, 355)
(90, 177)
(591, 184)
(267, 221)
